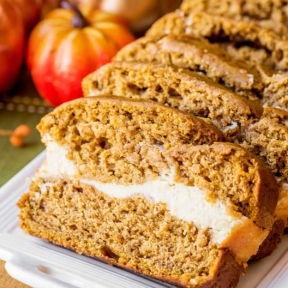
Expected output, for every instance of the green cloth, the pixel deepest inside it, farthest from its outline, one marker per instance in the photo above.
(14, 112)
(12, 159)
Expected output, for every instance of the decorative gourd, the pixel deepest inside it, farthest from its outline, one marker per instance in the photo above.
(68, 45)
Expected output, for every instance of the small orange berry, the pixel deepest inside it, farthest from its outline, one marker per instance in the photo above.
(16, 141)
(22, 131)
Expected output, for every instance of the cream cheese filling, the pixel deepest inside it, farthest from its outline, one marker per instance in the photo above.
(187, 203)
(57, 163)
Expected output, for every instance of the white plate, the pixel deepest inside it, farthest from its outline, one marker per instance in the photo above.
(40, 264)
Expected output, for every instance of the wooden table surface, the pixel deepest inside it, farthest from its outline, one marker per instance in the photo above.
(8, 282)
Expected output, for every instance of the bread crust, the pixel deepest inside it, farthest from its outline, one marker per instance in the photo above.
(215, 27)
(254, 82)
(271, 242)
(268, 14)
(197, 55)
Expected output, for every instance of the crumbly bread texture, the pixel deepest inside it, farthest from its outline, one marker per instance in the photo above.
(247, 53)
(104, 144)
(234, 34)
(276, 91)
(268, 139)
(179, 88)
(109, 140)
(197, 55)
(134, 232)
(270, 136)
(270, 14)
(266, 136)
(224, 157)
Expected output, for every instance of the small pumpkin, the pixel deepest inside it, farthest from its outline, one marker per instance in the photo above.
(68, 45)
(12, 39)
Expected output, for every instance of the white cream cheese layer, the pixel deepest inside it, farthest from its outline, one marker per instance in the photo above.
(188, 203)
(57, 163)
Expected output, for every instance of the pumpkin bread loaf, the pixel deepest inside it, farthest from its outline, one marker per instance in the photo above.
(243, 40)
(266, 135)
(270, 14)
(142, 186)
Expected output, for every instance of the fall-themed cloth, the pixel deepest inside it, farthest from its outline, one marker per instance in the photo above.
(7, 281)
(25, 106)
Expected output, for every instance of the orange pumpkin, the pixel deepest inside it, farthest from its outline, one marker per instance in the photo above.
(12, 38)
(68, 45)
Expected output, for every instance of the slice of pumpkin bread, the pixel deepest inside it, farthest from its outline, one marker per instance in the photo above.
(124, 182)
(249, 80)
(268, 14)
(179, 88)
(196, 54)
(244, 40)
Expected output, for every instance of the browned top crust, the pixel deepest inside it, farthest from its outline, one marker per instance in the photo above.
(196, 54)
(270, 14)
(218, 29)
(272, 241)
(265, 137)
(279, 115)
(179, 88)
(191, 129)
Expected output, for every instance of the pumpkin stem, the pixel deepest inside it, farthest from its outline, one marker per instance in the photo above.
(78, 21)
